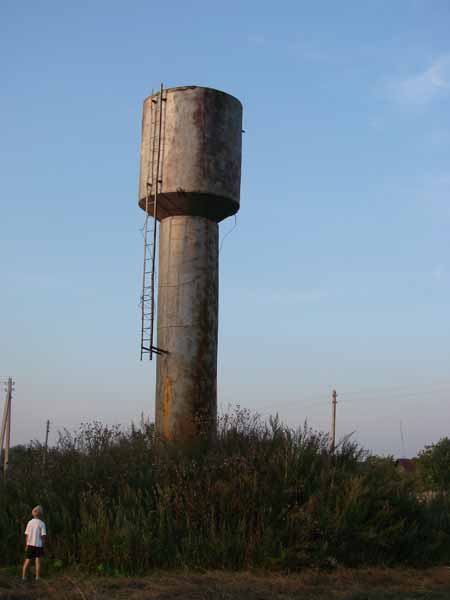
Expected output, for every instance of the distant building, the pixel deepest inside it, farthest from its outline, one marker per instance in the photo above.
(406, 465)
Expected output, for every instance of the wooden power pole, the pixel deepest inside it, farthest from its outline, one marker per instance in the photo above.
(5, 439)
(333, 420)
(47, 431)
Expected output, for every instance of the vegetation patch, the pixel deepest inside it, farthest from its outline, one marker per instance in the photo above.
(260, 495)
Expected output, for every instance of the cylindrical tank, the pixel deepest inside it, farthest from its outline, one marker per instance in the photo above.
(191, 148)
(186, 397)
(201, 133)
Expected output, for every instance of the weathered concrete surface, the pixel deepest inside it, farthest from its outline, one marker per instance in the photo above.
(186, 379)
(201, 153)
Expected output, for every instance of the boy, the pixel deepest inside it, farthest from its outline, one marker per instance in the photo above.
(35, 535)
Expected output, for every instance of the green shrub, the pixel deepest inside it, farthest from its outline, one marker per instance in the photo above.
(259, 495)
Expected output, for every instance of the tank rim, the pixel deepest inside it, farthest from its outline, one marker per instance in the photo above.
(192, 87)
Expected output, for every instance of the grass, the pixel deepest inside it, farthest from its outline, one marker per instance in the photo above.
(311, 584)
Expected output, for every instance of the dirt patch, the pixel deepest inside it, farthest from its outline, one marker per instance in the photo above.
(342, 584)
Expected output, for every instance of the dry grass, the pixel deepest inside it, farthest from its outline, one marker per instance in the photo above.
(342, 584)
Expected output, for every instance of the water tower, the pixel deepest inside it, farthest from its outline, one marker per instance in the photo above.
(189, 181)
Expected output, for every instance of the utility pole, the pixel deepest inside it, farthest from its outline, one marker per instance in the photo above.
(5, 440)
(333, 420)
(47, 431)
(403, 440)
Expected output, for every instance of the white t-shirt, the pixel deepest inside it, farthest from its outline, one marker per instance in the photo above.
(35, 530)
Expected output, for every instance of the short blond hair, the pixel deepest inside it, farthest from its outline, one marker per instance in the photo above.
(37, 510)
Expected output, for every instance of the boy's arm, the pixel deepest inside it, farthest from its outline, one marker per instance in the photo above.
(44, 534)
(27, 533)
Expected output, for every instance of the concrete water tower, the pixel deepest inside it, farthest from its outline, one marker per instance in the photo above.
(189, 181)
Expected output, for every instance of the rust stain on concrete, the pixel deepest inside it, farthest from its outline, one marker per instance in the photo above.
(167, 402)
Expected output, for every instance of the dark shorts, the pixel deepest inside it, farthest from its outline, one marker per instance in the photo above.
(34, 552)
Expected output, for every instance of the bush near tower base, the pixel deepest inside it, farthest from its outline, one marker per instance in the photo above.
(259, 495)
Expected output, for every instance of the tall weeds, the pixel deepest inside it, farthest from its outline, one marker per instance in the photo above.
(260, 494)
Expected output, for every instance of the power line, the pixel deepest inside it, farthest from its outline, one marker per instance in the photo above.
(363, 395)
(228, 233)
(390, 389)
(399, 397)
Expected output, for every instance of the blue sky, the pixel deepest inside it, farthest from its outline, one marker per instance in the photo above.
(338, 272)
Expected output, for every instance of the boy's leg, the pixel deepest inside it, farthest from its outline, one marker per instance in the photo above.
(37, 567)
(25, 567)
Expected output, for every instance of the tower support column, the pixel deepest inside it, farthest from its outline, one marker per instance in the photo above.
(188, 285)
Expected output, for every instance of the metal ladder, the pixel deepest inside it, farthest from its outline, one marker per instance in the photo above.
(154, 181)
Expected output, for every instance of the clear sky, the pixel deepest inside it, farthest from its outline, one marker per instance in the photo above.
(338, 272)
